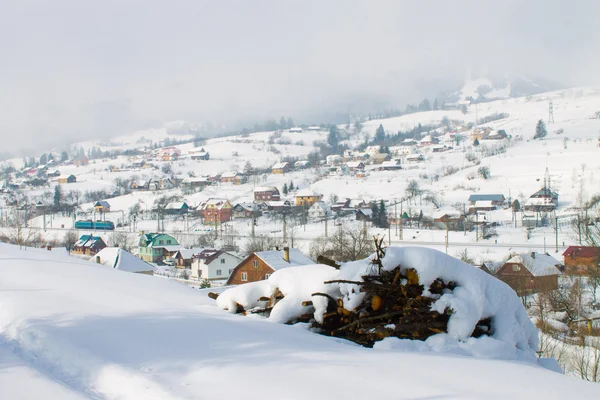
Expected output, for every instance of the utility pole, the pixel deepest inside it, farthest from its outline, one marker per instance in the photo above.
(447, 232)
(401, 220)
(284, 229)
(556, 232)
(325, 226)
(396, 216)
(253, 223)
(550, 112)
(476, 226)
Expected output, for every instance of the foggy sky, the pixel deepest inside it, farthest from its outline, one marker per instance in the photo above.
(76, 69)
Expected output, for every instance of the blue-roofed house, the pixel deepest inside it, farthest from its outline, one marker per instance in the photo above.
(485, 202)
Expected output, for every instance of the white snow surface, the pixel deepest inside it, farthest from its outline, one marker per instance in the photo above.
(477, 296)
(71, 329)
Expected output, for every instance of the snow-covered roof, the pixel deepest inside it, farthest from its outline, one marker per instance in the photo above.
(483, 197)
(189, 253)
(354, 164)
(176, 205)
(484, 203)
(539, 264)
(307, 193)
(274, 258)
(265, 189)
(229, 174)
(280, 165)
(118, 258)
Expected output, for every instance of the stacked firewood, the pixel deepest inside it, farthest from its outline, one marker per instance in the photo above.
(393, 306)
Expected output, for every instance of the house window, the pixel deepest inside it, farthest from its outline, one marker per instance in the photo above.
(244, 277)
(169, 241)
(267, 276)
(516, 268)
(222, 261)
(161, 242)
(255, 263)
(219, 272)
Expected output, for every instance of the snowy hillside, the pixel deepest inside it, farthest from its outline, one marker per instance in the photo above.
(70, 329)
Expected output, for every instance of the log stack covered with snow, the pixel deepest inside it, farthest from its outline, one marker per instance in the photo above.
(400, 292)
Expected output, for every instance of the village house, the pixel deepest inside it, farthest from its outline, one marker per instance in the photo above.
(183, 257)
(496, 135)
(246, 210)
(380, 158)
(199, 154)
(280, 205)
(364, 214)
(54, 174)
(319, 210)
(355, 166)
(214, 265)
(177, 207)
(340, 204)
(530, 273)
(281, 168)
(195, 182)
(68, 179)
(415, 158)
(234, 177)
(485, 202)
(295, 130)
(391, 165)
(102, 206)
(338, 170)
(266, 193)
(216, 211)
(117, 258)
(88, 245)
(582, 260)
(307, 197)
(139, 184)
(428, 140)
(80, 161)
(302, 164)
(169, 153)
(155, 247)
(260, 265)
(402, 150)
(372, 150)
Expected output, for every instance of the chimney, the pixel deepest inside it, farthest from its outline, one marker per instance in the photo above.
(98, 259)
(533, 255)
(286, 254)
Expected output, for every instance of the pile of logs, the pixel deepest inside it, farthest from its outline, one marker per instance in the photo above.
(393, 305)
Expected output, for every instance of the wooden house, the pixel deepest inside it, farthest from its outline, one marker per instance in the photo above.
(380, 158)
(68, 179)
(183, 257)
(88, 245)
(260, 265)
(281, 168)
(266, 193)
(102, 206)
(307, 197)
(485, 202)
(234, 177)
(355, 166)
(177, 207)
(582, 260)
(529, 273)
(544, 200)
(216, 211)
(246, 210)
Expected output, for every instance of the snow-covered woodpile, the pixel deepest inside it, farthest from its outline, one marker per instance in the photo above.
(405, 293)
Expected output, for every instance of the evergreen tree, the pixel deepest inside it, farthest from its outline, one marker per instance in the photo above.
(291, 187)
(44, 159)
(290, 122)
(476, 142)
(50, 157)
(285, 189)
(383, 219)
(64, 156)
(58, 196)
(436, 105)
(333, 139)
(375, 214)
(540, 130)
(380, 134)
(282, 123)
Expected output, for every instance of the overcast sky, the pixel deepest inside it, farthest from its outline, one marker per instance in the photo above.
(82, 69)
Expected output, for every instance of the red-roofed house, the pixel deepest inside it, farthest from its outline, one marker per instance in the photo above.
(581, 260)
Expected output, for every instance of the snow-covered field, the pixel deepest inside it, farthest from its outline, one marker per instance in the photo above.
(72, 329)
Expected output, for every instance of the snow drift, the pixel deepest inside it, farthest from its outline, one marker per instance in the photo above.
(478, 296)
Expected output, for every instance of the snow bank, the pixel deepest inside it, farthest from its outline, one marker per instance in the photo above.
(477, 296)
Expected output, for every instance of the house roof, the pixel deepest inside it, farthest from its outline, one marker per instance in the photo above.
(307, 193)
(176, 205)
(88, 241)
(187, 254)
(582, 251)
(354, 164)
(281, 165)
(118, 258)
(486, 197)
(247, 206)
(266, 189)
(102, 203)
(545, 192)
(274, 258)
(320, 205)
(229, 174)
(540, 265)
(365, 211)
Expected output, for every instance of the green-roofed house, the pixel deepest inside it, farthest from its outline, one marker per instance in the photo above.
(154, 247)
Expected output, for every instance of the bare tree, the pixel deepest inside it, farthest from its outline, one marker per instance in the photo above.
(260, 243)
(17, 232)
(122, 240)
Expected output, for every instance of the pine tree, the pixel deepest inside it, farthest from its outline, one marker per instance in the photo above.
(291, 186)
(476, 142)
(285, 189)
(64, 156)
(57, 196)
(540, 130)
(380, 134)
(435, 105)
(375, 214)
(383, 219)
(44, 159)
